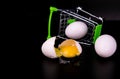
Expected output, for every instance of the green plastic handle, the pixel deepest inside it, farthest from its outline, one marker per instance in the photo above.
(97, 32)
(52, 9)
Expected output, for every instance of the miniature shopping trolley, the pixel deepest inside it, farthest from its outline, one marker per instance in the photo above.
(67, 16)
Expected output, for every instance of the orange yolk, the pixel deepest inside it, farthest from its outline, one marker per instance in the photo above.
(68, 49)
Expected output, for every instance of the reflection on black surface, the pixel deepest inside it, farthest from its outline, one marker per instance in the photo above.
(96, 69)
(50, 70)
(53, 70)
(103, 69)
(89, 67)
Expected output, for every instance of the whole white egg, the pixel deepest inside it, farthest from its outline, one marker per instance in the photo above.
(48, 48)
(105, 45)
(76, 30)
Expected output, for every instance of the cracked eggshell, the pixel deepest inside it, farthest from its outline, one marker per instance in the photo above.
(48, 48)
(70, 48)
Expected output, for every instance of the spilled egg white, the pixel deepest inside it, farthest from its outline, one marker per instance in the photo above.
(48, 48)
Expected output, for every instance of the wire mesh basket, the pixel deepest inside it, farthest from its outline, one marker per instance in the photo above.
(66, 17)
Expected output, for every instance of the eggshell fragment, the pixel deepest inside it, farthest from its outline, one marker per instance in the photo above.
(70, 48)
(48, 48)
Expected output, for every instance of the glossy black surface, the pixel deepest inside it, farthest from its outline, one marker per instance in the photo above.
(89, 65)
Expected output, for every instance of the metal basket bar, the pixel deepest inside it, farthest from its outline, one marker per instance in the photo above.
(99, 18)
(85, 18)
(77, 17)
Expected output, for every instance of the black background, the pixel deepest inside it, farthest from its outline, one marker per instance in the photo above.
(36, 14)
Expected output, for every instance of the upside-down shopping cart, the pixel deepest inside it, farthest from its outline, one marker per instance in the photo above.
(66, 17)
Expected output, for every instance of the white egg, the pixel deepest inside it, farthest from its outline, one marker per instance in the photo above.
(105, 45)
(76, 30)
(48, 48)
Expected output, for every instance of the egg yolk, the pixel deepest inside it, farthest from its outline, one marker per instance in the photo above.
(68, 49)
